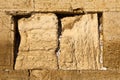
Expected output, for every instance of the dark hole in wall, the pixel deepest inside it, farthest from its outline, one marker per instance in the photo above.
(100, 23)
(100, 17)
(17, 37)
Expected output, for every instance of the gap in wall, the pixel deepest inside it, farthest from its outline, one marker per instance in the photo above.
(17, 36)
(100, 30)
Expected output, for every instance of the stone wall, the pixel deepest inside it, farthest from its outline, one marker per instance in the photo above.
(59, 40)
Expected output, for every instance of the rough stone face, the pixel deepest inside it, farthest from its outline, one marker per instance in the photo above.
(111, 32)
(38, 42)
(14, 75)
(16, 5)
(77, 5)
(73, 75)
(6, 41)
(79, 43)
(60, 5)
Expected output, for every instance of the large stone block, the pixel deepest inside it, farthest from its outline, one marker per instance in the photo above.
(60, 5)
(36, 60)
(6, 41)
(111, 32)
(73, 75)
(38, 42)
(79, 45)
(51, 5)
(77, 5)
(14, 75)
(16, 5)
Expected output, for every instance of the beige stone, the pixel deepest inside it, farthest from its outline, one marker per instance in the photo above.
(38, 59)
(111, 32)
(79, 45)
(73, 75)
(48, 6)
(60, 5)
(16, 5)
(14, 75)
(38, 42)
(6, 41)
(77, 5)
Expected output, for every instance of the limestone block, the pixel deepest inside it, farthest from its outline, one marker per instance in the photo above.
(16, 5)
(60, 5)
(52, 5)
(76, 5)
(111, 32)
(38, 41)
(36, 60)
(47, 39)
(6, 41)
(79, 45)
(73, 75)
(14, 75)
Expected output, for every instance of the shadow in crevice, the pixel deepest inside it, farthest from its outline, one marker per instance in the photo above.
(100, 32)
(100, 21)
(59, 33)
(17, 36)
(100, 25)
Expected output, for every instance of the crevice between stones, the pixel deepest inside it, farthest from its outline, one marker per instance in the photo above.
(99, 15)
(100, 30)
(17, 36)
(59, 31)
(29, 71)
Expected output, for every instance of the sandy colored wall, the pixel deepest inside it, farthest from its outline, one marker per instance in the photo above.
(59, 40)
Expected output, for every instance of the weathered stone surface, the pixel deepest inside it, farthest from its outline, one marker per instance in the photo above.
(38, 42)
(6, 41)
(79, 43)
(77, 5)
(51, 5)
(111, 32)
(36, 59)
(74, 75)
(14, 75)
(60, 5)
(16, 5)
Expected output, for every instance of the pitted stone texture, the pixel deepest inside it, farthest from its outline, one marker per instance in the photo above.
(6, 41)
(77, 5)
(14, 75)
(111, 32)
(16, 5)
(36, 60)
(38, 42)
(79, 43)
(74, 75)
(60, 5)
